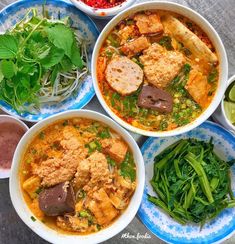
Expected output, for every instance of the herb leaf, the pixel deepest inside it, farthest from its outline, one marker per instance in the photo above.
(166, 42)
(75, 56)
(111, 161)
(62, 37)
(128, 167)
(54, 57)
(32, 218)
(104, 133)
(8, 46)
(8, 68)
(212, 77)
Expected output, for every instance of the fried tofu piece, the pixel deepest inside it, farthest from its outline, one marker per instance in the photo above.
(36, 209)
(124, 75)
(102, 207)
(125, 188)
(160, 65)
(31, 185)
(136, 46)
(124, 183)
(149, 24)
(198, 87)
(115, 148)
(127, 32)
(72, 223)
(79, 206)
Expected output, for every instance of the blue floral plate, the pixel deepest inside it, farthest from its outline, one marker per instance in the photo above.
(163, 226)
(86, 27)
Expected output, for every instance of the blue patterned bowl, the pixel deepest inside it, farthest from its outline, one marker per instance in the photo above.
(163, 226)
(15, 12)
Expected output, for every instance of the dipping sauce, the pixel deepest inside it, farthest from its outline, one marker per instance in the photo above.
(10, 135)
(103, 3)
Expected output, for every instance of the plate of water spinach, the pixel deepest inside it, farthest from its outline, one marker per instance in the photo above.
(190, 186)
(45, 52)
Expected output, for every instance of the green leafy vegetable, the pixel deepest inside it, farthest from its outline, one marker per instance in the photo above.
(8, 46)
(114, 41)
(76, 56)
(42, 135)
(65, 123)
(39, 190)
(192, 183)
(165, 41)
(111, 161)
(94, 145)
(41, 61)
(81, 194)
(85, 214)
(61, 36)
(109, 54)
(192, 160)
(8, 68)
(128, 167)
(181, 79)
(33, 219)
(213, 76)
(104, 133)
(53, 57)
(130, 22)
(128, 105)
(137, 61)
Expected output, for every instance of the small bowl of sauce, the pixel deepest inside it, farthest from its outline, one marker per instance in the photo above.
(11, 131)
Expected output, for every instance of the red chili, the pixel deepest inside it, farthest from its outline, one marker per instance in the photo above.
(103, 3)
(129, 120)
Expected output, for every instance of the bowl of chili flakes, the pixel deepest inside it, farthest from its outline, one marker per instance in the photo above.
(102, 8)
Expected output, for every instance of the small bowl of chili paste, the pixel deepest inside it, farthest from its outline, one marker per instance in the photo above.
(102, 8)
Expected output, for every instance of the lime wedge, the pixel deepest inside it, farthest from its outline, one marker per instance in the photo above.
(229, 108)
(232, 94)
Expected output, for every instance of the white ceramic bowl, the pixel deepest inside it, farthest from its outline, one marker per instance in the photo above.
(50, 234)
(5, 173)
(220, 115)
(103, 13)
(209, 30)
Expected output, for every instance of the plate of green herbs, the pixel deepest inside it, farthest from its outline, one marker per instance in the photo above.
(189, 188)
(45, 52)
